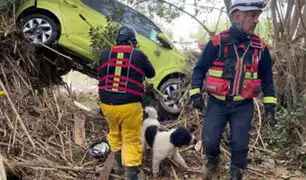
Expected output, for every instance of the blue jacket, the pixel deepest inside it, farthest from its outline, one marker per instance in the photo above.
(210, 53)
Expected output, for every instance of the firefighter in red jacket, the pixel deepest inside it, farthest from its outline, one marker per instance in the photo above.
(239, 68)
(122, 71)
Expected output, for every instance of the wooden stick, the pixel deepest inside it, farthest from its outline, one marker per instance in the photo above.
(5, 78)
(174, 173)
(81, 106)
(51, 49)
(63, 168)
(259, 128)
(91, 162)
(79, 134)
(106, 171)
(17, 115)
(63, 145)
(58, 109)
(2, 169)
(258, 172)
(187, 148)
(83, 157)
(116, 176)
(224, 150)
(264, 150)
(9, 122)
(199, 171)
(22, 79)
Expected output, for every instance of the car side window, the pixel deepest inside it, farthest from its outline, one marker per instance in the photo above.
(105, 7)
(139, 22)
(128, 16)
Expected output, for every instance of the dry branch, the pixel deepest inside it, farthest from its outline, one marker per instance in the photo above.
(17, 115)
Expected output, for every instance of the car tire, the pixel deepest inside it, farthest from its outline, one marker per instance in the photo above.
(40, 28)
(169, 109)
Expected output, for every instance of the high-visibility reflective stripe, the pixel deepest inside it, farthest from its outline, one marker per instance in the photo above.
(216, 73)
(122, 89)
(270, 99)
(194, 91)
(248, 75)
(118, 71)
(236, 98)
(122, 78)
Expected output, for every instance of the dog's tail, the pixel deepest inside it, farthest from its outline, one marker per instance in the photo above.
(151, 112)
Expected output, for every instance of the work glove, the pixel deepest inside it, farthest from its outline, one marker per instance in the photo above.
(197, 101)
(270, 113)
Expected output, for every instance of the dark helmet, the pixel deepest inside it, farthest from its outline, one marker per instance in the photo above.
(127, 34)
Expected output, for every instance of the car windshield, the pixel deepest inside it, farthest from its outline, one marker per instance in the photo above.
(126, 16)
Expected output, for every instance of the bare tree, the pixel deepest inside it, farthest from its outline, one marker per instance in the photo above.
(289, 22)
(228, 4)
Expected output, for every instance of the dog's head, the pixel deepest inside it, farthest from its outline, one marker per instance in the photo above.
(181, 136)
(150, 112)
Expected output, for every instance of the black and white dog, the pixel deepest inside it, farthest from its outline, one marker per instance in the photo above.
(163, 143)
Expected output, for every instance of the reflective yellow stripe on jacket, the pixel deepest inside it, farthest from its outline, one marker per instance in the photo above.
(194, 91)
(217, 73)
(236, 98)
(270, 99)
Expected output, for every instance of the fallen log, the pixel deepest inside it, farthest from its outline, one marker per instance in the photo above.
(107, 168)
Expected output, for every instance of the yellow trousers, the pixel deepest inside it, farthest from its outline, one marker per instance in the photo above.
(124, 135)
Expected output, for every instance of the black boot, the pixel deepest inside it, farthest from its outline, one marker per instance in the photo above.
(210, 167)
(235, 174)
(118, 167)
(134, 173)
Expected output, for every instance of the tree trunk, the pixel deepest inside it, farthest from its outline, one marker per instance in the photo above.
(289, 59)
(228, 5)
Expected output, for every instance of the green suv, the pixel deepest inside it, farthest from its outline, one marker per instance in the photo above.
(62, 22)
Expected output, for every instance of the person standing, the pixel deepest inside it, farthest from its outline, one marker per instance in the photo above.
(239, 68)
(122, 71)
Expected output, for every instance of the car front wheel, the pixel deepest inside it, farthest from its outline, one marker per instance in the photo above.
(40, 29)
(169, 107)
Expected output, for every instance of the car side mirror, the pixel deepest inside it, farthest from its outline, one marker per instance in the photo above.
(164, 40)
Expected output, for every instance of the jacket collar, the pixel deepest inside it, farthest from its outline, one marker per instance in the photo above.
(238, 34)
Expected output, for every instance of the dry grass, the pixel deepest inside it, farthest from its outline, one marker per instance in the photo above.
(37, 121)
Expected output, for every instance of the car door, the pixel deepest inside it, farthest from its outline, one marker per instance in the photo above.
(77, 29)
